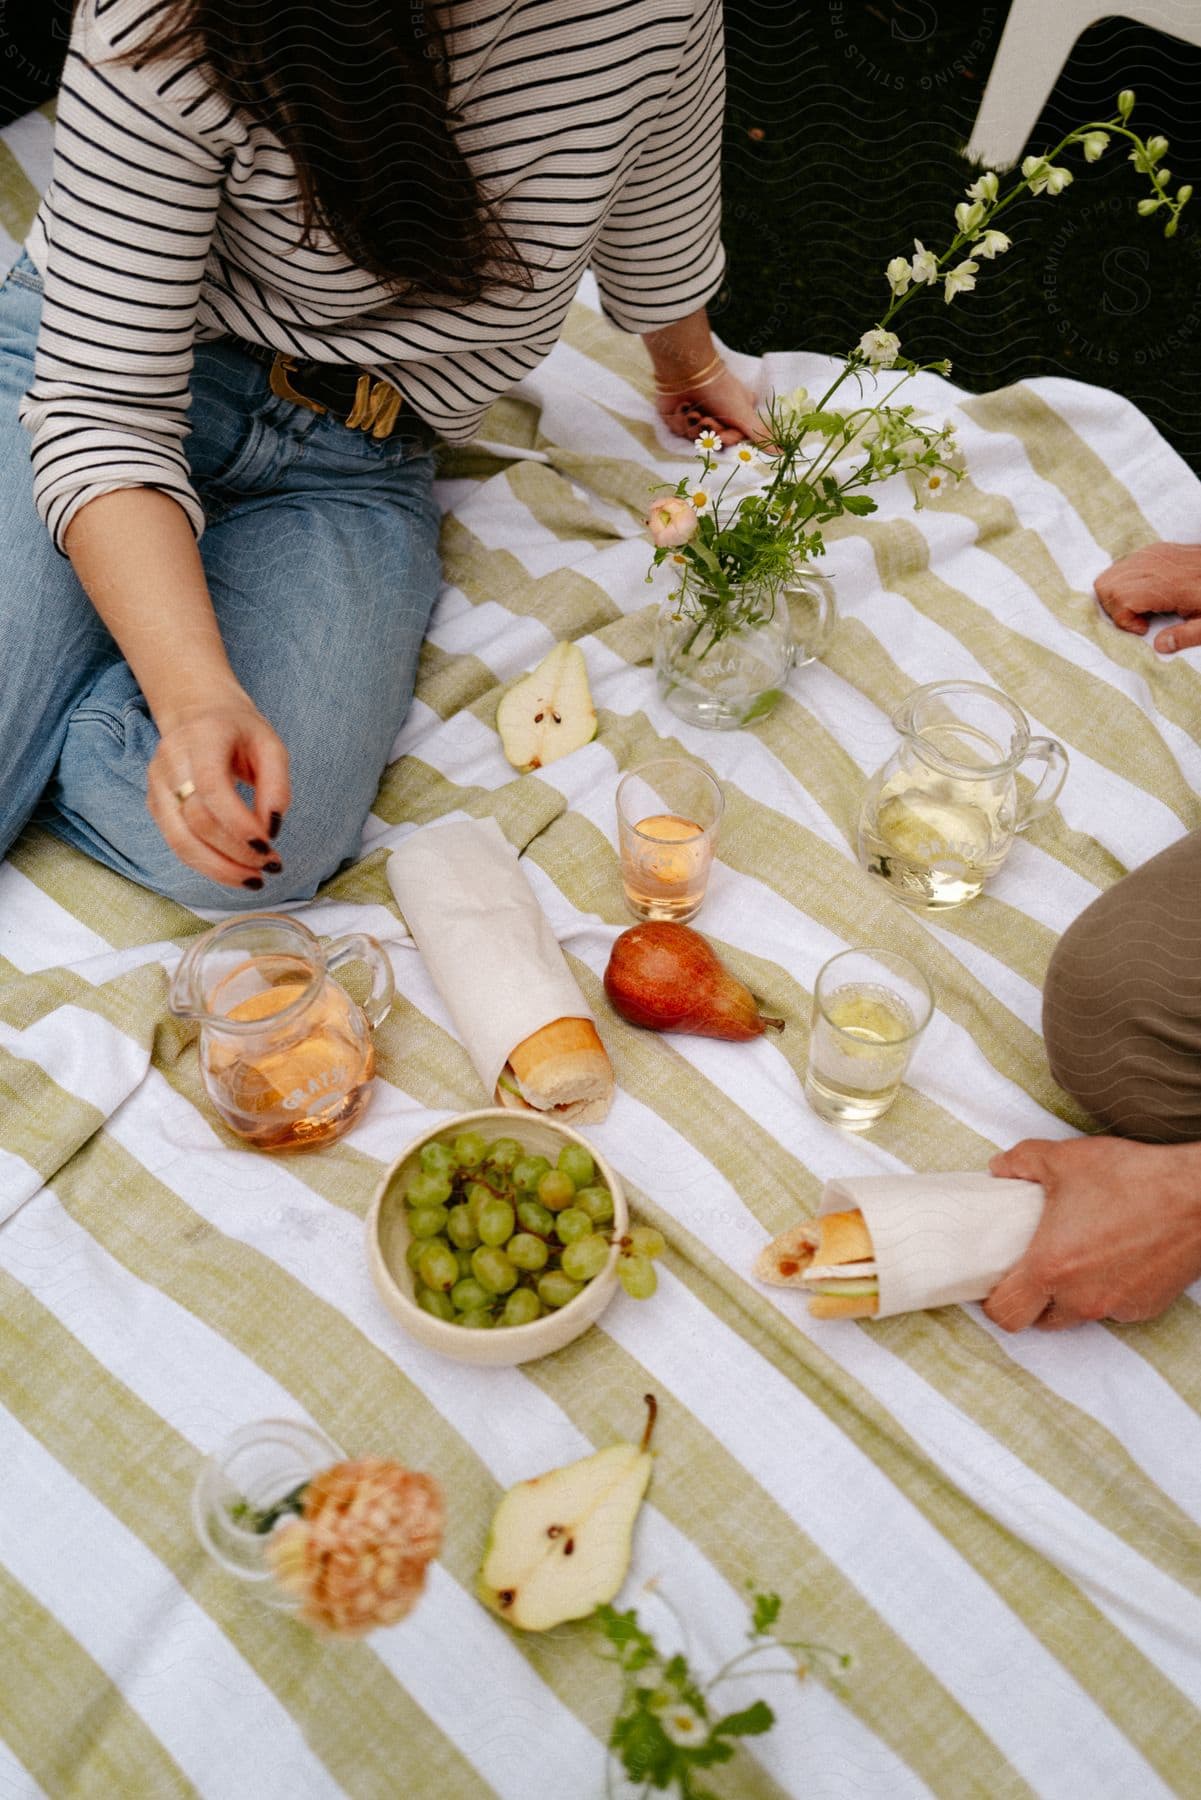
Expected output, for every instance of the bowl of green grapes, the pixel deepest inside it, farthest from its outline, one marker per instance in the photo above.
(499, 1237)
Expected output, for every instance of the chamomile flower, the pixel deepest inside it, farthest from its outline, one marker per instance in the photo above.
(709, 442)
(684, 1726)
(699, 500)
(747, 455)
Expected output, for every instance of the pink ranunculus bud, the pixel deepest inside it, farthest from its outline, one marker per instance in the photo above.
(672, 521)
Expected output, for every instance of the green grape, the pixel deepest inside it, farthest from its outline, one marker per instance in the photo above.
(460, 1228)
(577, 1162)
(477, 1195)
(586, 1257)
(439, 1266)
(428, 1221)
(414, 1251)
(495, 1222)
(572, 1224)
(533, 1216)
(468, 1294)
(555, 1289)
(430, 1301)
(437, 1159)
(637, 1276)
(597, 1202)
(556, 1190)
(428, 1190)
(521, 1308)
(493, 1270)
(528, 1172)
(646, 1241)
(505, 1154)
(470, 1149)
(478, 1319)
(464, 1260)
(527, 1251)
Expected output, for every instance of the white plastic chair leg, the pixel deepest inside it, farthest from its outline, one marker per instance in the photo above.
(1036, 43)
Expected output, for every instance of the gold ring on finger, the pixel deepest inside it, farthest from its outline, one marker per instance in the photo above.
(184, 792)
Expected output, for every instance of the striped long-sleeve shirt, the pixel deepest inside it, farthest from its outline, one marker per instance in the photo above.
(173, 217)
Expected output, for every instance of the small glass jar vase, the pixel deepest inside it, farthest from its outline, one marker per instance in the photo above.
(243, 1492)
(725, 664)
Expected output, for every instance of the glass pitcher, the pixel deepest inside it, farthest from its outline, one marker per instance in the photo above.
(286, 1055)
(941, 815)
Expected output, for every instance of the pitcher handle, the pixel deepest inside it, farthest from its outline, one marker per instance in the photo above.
(358, 947)
(822, 590)
(1050, 752)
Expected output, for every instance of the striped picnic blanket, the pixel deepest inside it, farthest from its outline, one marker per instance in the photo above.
(1005, 1533)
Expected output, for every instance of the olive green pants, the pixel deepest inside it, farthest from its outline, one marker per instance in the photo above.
(1122, 1002)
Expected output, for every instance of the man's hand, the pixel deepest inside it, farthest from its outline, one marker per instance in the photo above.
(1159, 578)
(1120, 1235)
(211, 747)
(726, 406)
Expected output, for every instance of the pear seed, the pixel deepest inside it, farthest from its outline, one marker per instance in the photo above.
(507, 1596)
(569, 1546)
(554, 1531)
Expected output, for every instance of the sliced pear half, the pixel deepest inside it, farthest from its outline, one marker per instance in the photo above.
(548, 713)
(560, 1544)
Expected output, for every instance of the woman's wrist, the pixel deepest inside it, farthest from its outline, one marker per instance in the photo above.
(683, 354)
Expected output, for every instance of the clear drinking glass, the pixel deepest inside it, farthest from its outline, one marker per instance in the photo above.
(870, 1007)
(253, 1471)
(668, 813)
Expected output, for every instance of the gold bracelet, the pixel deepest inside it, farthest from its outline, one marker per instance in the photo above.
(711, 372)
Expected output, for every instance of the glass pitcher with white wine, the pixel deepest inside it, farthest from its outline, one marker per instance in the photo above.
(940, 817)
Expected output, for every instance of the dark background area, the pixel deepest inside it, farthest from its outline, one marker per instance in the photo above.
(844, 128)
(864, 107)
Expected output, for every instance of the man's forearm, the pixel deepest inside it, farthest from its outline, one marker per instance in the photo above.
(136, 555)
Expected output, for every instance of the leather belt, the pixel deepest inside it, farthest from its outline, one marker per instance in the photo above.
(361, 401)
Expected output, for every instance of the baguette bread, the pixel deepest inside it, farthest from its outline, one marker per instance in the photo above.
(834, 1239)
(561, 1069)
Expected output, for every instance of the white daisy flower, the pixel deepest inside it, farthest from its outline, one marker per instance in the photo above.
(684, 1726)
(708, 441)
(699, 499)
(747, 455)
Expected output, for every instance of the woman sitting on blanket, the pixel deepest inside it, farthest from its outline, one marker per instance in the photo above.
(307, 239)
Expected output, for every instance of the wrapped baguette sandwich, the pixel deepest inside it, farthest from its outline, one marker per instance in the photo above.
(562, 1069)
(832, 1259)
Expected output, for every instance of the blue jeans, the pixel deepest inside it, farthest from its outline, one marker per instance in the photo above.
(321, 552)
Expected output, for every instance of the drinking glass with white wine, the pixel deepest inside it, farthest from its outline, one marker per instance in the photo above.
(870, 1007)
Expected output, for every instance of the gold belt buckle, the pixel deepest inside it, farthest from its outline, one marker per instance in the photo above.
(376, 407)
(283, 366)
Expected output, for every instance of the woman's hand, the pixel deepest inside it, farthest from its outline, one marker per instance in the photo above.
(1159, 578)
(1120, 1235)
(726, 406)
(209, 748)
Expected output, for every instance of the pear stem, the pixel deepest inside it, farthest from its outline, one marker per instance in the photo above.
(652, 1413)
(769, 1024)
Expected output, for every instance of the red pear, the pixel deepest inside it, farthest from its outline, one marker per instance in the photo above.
(666, 977)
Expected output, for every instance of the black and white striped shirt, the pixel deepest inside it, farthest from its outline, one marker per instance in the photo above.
(172, 217)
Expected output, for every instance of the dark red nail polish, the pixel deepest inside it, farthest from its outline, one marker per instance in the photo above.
(274, 823)
(273, 867)
(260, 845)
(252, 882)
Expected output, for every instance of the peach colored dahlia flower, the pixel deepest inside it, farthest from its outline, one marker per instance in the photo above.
(356, 1558)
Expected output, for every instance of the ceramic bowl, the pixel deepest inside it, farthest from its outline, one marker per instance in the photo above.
(388, 1239)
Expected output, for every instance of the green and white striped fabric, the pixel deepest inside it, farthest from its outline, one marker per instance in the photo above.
(1005, 1533)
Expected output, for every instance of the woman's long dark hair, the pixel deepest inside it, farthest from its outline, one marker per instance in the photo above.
(356, 91)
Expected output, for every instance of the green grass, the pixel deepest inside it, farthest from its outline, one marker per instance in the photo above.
(845, 125)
